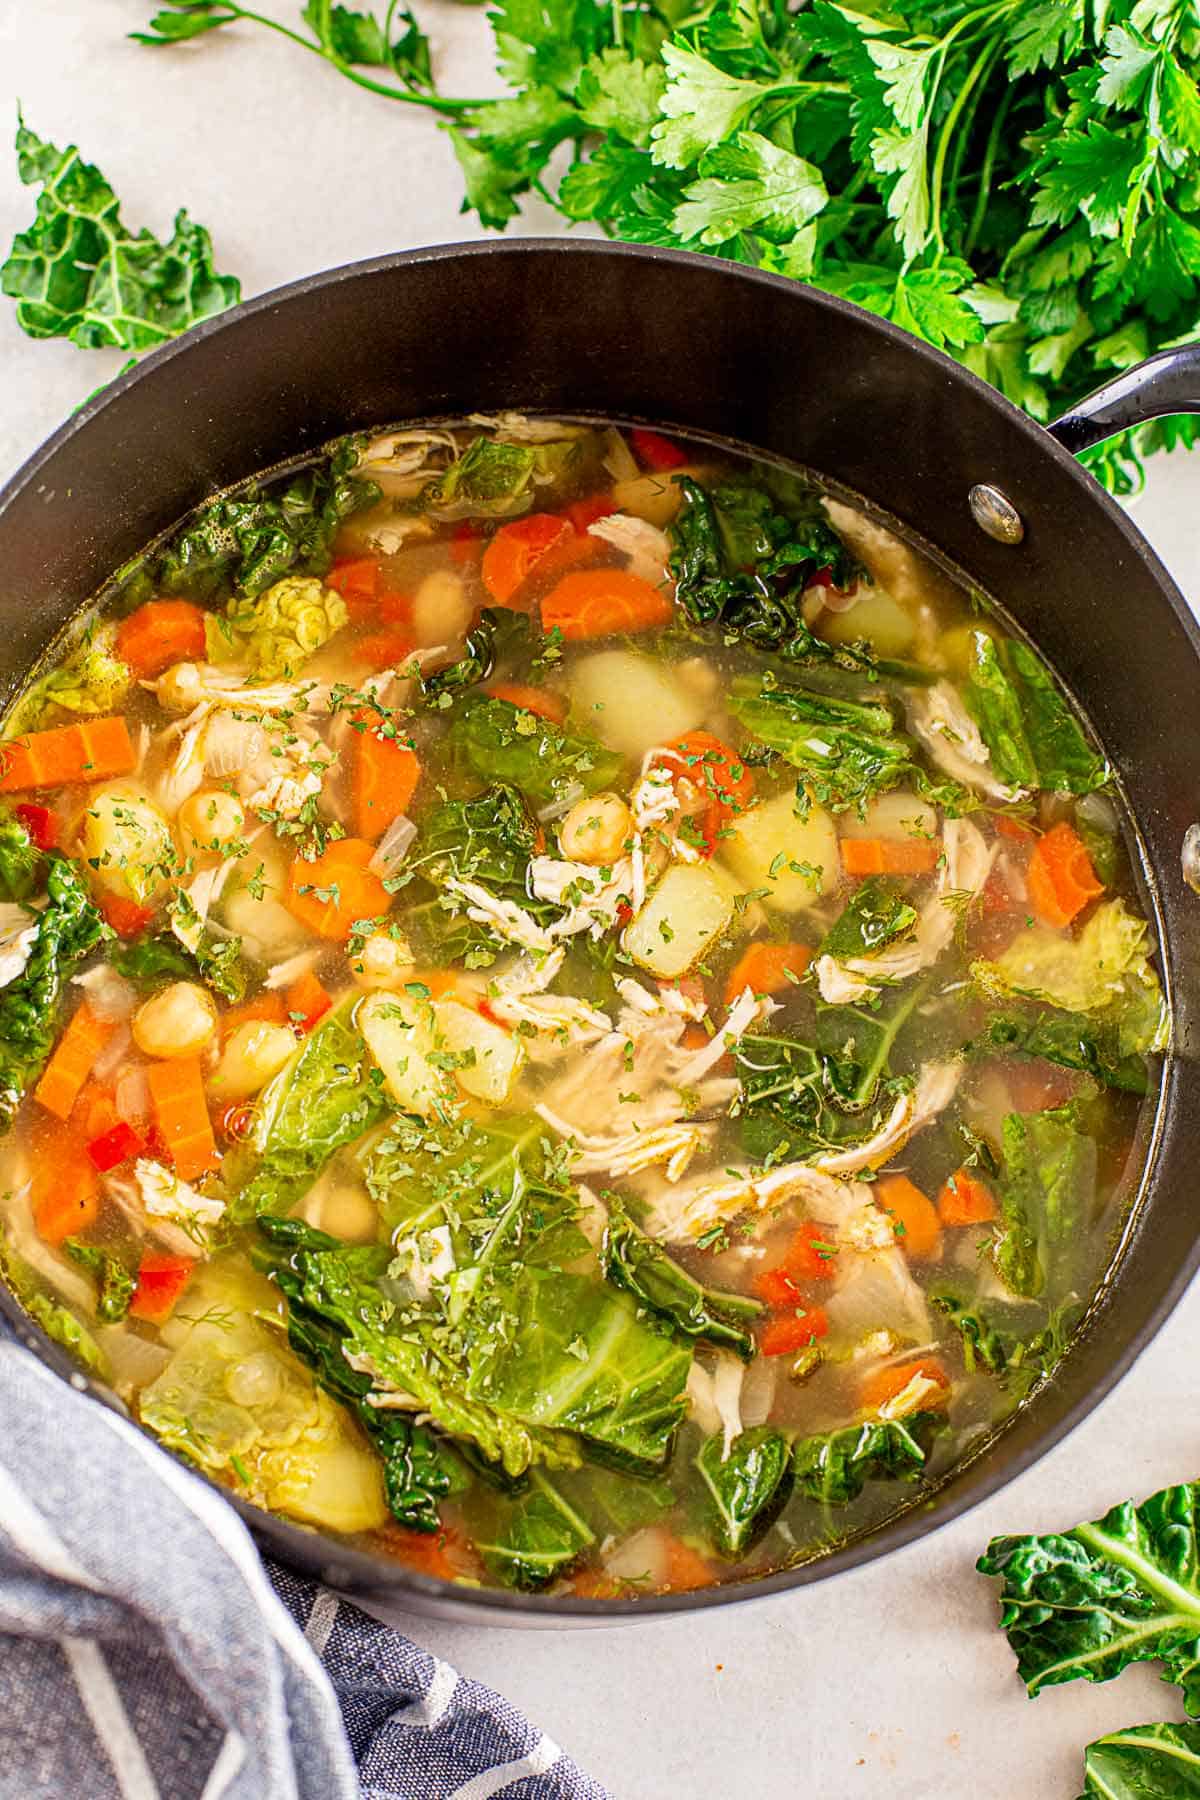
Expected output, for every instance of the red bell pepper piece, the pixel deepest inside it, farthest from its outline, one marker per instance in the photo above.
(126, 917)
(585, 512)
(119, 1145)
(792, 1332)
(40, 823)
(656, 453)
(161, 1280)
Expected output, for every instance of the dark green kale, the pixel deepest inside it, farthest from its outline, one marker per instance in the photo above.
(834, 1467)
(20, 858)
(496, 740)
(534, 1537)
(1144, 1762)
(66, 930)
(640, 1266)
(115, 1280)
(249, 542)
(1047, 1200)
(1071, 1040)
(1034, 739)
(56, 1319)
(489, 839)
(1021, 1343)
(488, 477)
(746, 1487)
(79, 273)
(498, 632)
(845, 750)
(875, 916)
(157, 957)
(1123, 1589)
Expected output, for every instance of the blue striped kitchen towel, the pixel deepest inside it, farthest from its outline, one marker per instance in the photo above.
(146, 1653)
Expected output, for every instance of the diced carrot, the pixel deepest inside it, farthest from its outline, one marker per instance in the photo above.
(811, 1257)
(883, 1384)
(889, 856)
(591, 507)
(530, 699)
(92, 750)
(919, 1230)
(444, 1553)
(386, 773)
(161, 1280)
(777, 1288)
(336, 890)
(384, 649)
(656, 452)
(790, 1332)
(766, 969)
(307, 1001)
(686, 1568)
(516, 549)
(1010, 826)
(181, 1114)
(395, 608)
(719, 772)
(591, 603)
(594, 1584)
(67, 1195)
(71, 1064)
(1060, 876)
(126, 917)
(40, 823)
(95, 1111)
(466, 542)
(355, 578)
(965, 1200)
(160, 633)
(266, 1008)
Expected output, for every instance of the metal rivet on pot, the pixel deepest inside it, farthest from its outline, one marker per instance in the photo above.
(1190, 857)
(995, 513)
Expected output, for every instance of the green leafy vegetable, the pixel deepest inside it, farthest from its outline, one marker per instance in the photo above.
(1144, 1762)
(278, 630)
(350, 40)
(489, 839)
(79, 273)
(56, 1319)
(19, 858)
(746, 1487)
(158, 957)
(1071, 1040)
(834, 1467)
(1047, 1200)
(115, 1281)
(92, 679)
(494, 738)
(489, 477)
(1034, 739)
(67, 928)
(877, 914)
(640, 1266)
(534, 1537)
(1089, 1602)
(498, 632)
(1018, 1341)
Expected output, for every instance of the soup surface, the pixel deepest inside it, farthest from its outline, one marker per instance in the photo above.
(570, 1008)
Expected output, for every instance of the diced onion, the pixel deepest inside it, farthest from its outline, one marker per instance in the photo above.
(393, 847)
(618, 458)
(231, 744)
(113, 1054)
(758, 1391)
(132, 1096)
(641, 1558)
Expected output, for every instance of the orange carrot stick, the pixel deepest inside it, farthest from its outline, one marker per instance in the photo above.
(181, 1113)
(72, 1061)
(334, 891)
(386, 773)
(915, 1213)
(92, 750)
(889, 856)
(516, 550)
(590, 603)
(160, 633)
(965, 1200)
(68, 1200)
(307, 1001)
(766, 969)
(1060, 876)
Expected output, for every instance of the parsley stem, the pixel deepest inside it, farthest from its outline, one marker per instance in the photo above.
(995, 137)
(432, 102)
(979, 67)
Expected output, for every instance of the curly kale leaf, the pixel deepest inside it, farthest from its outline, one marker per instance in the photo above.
(875, 916)
(533, 1537)
(79, 273)
(115, 1280)
(158, 957)
(746, 1485)
(497, 632)
(249, 543)
(494, 738)
(1087, 1603)
(67, 928)
(833, 1468)
(20, 859)
(489, 839)
(640, 1266)
(1071, 1040)
(56, 1319)
(1047, 1200)
(1144, 1762)
(1034, 739)
(1021, 1343)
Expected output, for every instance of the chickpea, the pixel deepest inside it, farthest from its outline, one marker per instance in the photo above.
(179, 690)
(210, 822)
(596, 830)
(383, 962)
(255, 1052)
(178, 1022)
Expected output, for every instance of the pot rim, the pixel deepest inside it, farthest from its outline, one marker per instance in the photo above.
(370, 1574)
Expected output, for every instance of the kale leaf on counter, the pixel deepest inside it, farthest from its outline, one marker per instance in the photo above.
(1144, 1762)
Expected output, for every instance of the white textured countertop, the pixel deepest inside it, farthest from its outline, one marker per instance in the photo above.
(889, 1682)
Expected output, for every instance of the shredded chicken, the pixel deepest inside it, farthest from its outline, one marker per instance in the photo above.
(424, 1259)
(911, 1397)
(746, 1012)
(283, 974)
(644, 545)
(17, 935)
(966, 864)
(620, 1154)
(188, 685)
(165, 1196)
(508, 920)
(936, 1087)
(938, 719)
(519, 428)
(690, 1211)
(714, 1397)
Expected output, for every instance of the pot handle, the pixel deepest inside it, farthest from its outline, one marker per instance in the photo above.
(1163, 384)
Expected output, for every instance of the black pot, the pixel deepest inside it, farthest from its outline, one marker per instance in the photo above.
(703, 347)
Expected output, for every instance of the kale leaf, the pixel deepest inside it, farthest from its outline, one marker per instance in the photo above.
(534, 1537)
(67, 928)
(875, 915)
(1034, 739)
(641, 1267)
(832, 1468)
(494, 738)
(1144, 1762)
(498, 632)
(490, 839)
(1089, 1602)
(115, 1280)
(1071, 1040)
(156, 957)
(746, 1486)
(1047, 1200)
(79, 273)
(1019, 1342)
(55, 1318)
(20, 858)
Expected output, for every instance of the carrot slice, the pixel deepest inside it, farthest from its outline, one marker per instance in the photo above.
(67, 1195)
(585, 512)
(266, 1008)
(686, 1568)
(336, 890)
(790, 1332)
(181, 1113)
(530, 699)
(882, 1385)
(126, 917)
(386, 773)
(766, 969)
(719, 771)
(72, 1061)
(384, 649)
(591, 603)
(92, 750)
(515, 551)
(890, 856)
(307, 1001)
(160, 633)
(355, 578)
(965, 1200)
(1060, 876)
(920, 1232)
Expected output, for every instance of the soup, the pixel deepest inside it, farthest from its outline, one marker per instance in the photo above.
(574, 1011)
